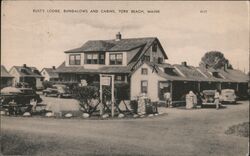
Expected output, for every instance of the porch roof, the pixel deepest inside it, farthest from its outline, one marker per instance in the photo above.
(105, 69)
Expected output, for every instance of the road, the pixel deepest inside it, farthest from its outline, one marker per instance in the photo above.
(180, 132)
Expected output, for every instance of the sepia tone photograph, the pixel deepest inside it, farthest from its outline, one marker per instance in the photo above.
(153, 78)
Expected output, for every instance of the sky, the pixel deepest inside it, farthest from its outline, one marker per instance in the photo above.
(186, 30)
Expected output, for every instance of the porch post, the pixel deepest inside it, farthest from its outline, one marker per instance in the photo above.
(171, 89)
(101, 104)
(199, 86)
(113, 98)
(126, 78)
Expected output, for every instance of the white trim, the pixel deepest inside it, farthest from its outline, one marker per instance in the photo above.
(179, 71)
(201, 72)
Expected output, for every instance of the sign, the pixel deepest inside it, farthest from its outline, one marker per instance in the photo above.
(105, 81)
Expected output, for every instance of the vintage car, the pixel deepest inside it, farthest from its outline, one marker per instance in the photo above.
(208, 97)
(57, 90)
(21, 96)
(228, 96)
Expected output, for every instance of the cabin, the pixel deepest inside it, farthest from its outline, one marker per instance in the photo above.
(28, 75)
(50, 74)
(6, 78)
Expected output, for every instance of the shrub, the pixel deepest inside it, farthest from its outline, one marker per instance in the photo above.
(85, 95)
(47, 84)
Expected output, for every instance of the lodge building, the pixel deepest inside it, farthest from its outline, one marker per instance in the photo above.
(140, 62)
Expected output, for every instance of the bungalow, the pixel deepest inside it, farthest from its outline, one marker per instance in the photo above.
(29, 75)
(118, 56)
(50, 74)
(6, 78)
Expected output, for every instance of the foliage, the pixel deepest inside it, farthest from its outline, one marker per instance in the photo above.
(239, 130)
(214, 59)
(47, 84)
(85, 95)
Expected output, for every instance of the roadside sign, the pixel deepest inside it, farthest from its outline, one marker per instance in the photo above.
(105, 81)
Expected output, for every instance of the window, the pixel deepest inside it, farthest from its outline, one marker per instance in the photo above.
(146, 58)
(144, 86)
(160, 60)
(154, 47)
(101, 59)
(170, 71)
(144, 71)
(118, 77)
(74, 59)
(95, 59)
(115, 59)
(92, 58)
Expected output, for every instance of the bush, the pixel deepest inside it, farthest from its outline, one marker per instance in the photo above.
(47, 84)
(85, 96)
(239, 130)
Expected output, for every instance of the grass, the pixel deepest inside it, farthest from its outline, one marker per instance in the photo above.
(19, 144)
(239, 130)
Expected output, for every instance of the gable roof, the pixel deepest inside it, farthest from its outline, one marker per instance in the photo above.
(51, 72)
(4, 72)
(27, 71)
(105, 69)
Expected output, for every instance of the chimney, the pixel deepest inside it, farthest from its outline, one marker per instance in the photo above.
(53, 67)
(24, 65)
(226, 66)
(118, 36)
(184, 63)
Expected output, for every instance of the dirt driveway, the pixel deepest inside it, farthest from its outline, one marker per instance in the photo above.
(179, 133)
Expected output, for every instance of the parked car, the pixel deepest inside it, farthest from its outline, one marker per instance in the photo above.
(57, 90)
(228, 95)
(208, 97)
(21, 96)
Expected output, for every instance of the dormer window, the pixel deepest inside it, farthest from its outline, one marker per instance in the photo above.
(170, 71)
(216, 74)
(74, 59)
(154, 47)
(95, 58)
(115, 59)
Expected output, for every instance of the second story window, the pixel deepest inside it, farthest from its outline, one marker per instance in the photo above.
(92, 58)
(74, 59)
(115, 59)
(154, 47)
(144, 71)
(144, 86)
(95, 59)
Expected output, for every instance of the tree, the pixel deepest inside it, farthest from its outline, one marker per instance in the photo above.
(214, 59)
